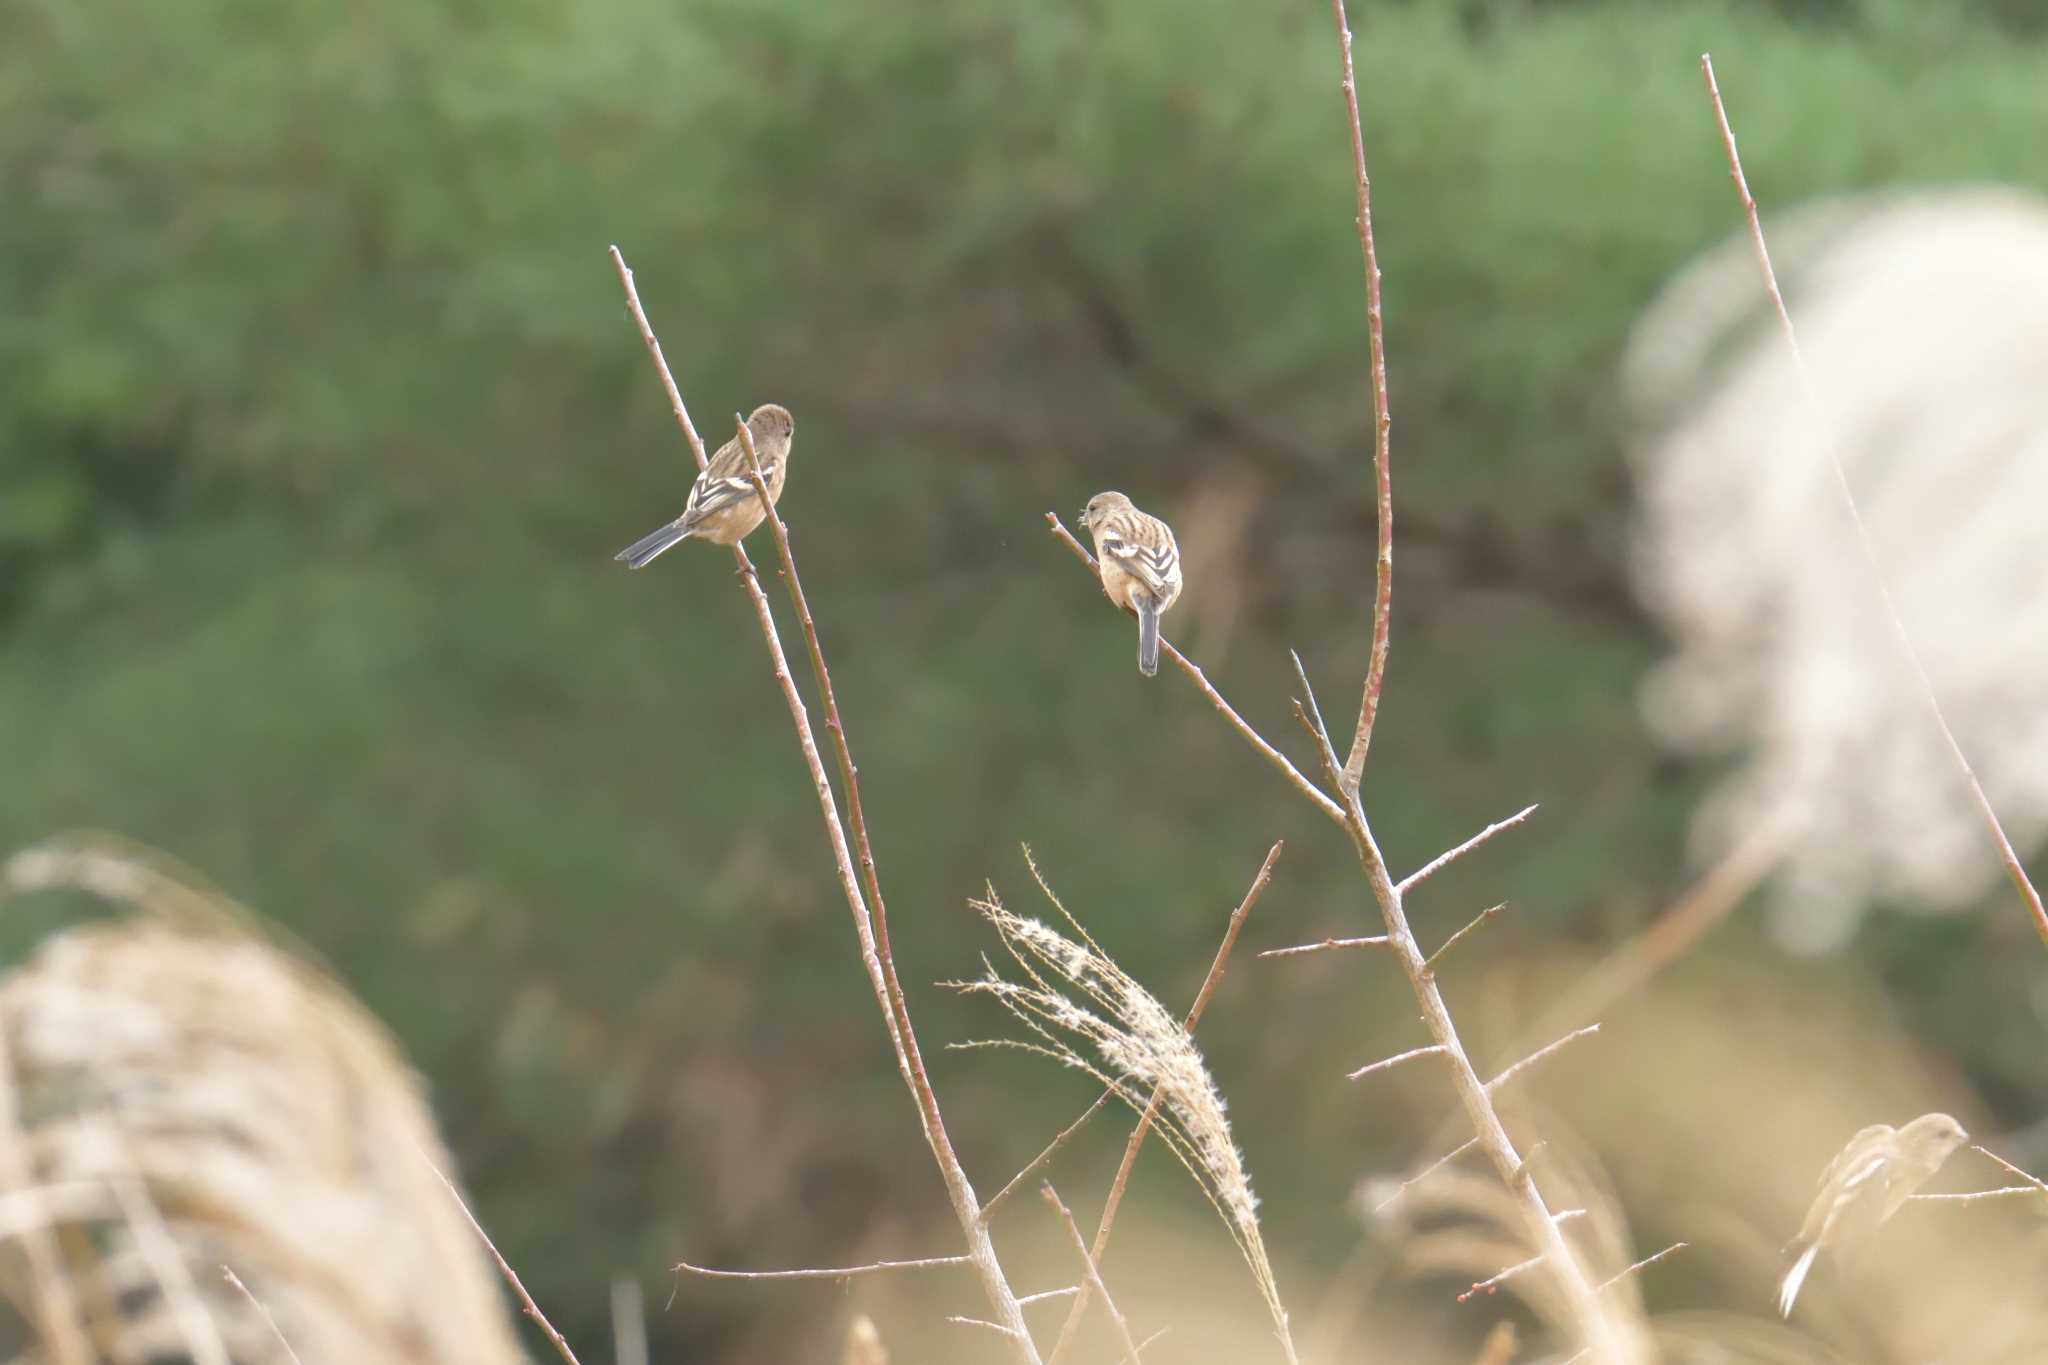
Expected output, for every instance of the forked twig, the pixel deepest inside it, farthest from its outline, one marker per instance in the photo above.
(1237, 722)
(1093, 1273)
(869, 915)
(1904, 641)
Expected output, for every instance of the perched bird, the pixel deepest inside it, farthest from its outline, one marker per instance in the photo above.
(1140, 565)
(1868, 1181)
(723, 505)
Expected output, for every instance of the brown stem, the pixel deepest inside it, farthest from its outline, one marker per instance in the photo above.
(1382, 428)
(2006, 855)
(1093, 1271)
(871, 932)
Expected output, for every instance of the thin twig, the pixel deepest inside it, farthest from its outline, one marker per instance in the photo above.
(1538, 1055)
(1429, 963)
(1488, 1285)
(232, 1278)
(2001, 1193)
(833, 1272)
(1425, 1173)
(1445, 859)
(1382, 428)
(1643, 1264)
(1372, 941)
(1904, 641)
(2030, 1178)
(1093, 1273)
(1045, 1154)
(1383, 1063)
(1253, 737)
(1144, 1124)
(526, 1303)
(1045, 1294)
(981, 1322)
(869, 916)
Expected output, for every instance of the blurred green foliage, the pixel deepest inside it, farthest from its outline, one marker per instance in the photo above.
(320, 417)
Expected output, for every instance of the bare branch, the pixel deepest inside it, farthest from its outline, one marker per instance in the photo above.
(1425, 1173)
(1382, 431)
(1045, 1294)
(2001, 1193)
(1272, 755)
(870, 917)
(1374, 941)
(1487, 1286)
(1144, 1124)
(1538, 1055)
(980, 1322)
(526, 1303)
(1443, 860)
(1094, 1276)
(2031, 1179)
(1383, 1063)
(1643, 1264)
(1429, 963)
(1585, 1311)
(668, 382)
(2013, 870)
(1045, 1154)
(837, 1272)
(236, 1280)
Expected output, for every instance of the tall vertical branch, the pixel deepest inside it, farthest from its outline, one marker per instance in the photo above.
(1382, 429)
(870, 928)
(1904, 641)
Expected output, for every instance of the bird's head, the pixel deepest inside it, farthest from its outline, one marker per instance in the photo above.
(771, 422)
(1101, 505)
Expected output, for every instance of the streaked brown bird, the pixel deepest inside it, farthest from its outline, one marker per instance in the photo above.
(1140, 566)
(723, 505)
(1868, 1181)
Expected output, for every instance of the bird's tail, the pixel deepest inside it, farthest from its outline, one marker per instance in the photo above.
(1788, 1288)
(1148, 636)
(643, 551)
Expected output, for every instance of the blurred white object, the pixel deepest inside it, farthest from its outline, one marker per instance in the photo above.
(1924, 325)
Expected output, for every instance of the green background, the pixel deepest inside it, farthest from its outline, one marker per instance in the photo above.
(321, 417)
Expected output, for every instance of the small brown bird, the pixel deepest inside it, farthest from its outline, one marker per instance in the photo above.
(1868, 1181)
(1140, 565)
(723, 505)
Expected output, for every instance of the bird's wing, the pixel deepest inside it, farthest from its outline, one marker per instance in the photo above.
(1848, 1179)
(1156, 565)
(725, 480)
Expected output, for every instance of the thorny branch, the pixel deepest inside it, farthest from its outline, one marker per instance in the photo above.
(1903, 640)
(870, 925)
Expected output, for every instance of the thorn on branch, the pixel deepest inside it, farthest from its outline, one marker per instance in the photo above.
(838, 1272)
(1443, 860)
(1385, 1062)
(1429, 963)
(1372, 941)
(1538, 1055)
(1643, 1264)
